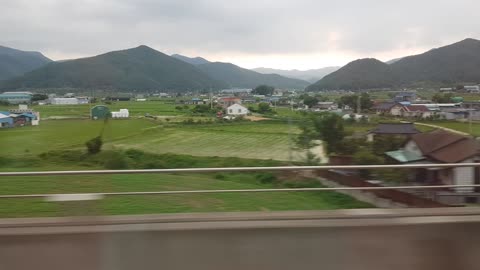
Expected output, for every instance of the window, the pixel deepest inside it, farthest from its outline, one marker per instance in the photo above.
(230, 111)
(239, 110)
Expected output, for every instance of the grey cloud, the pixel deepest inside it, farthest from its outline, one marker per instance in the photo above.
(87, 27)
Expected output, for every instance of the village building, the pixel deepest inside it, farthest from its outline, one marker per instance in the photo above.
(393, 129)
(237, 110)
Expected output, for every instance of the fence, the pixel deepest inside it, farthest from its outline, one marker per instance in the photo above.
(351, 182)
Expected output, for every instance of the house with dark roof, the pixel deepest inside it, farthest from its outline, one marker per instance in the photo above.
(393, 129)
(391, 108)
(440, 146)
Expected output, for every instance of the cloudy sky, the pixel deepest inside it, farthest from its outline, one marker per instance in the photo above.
(286, 34)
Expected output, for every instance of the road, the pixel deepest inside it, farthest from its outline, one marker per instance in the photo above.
(346, 239)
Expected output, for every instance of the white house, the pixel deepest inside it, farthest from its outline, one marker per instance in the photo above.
(237, 110)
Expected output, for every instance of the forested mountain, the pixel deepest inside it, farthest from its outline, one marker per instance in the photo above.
(455, 63)
(236, 76)
(15, 62)
(141, 68)
(191, 60)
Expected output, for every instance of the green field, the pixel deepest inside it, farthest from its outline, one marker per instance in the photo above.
(161, 203)
(265, 143)
(136, 108)
(261, 140)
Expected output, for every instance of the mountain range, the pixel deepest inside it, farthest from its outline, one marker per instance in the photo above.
(452, 64)
(237, 77)
(144, 69)
(141, 68)
(16, 62)
(311, 75)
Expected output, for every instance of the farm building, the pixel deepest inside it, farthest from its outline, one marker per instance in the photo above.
(237, 110)
(64, 101)
(99, 112)
(16, 97)
(228, 101)
(393, 129)
(123, 113)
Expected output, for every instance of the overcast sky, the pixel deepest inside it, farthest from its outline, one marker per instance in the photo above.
(286, 34)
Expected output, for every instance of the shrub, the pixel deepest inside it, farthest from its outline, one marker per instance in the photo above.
(115, 161)
(94, 145)
(365, 157)
(265, 178)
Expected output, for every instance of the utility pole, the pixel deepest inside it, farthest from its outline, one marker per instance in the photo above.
(359, 109)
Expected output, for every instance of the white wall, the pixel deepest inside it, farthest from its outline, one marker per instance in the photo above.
(411, 146)
(464, 176)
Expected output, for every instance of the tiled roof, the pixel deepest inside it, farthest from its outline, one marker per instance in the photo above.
(395, 128)
(444, 146)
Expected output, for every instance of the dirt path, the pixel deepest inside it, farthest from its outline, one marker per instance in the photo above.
(444, 128)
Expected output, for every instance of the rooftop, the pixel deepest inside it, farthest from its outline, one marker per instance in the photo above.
(395, 128)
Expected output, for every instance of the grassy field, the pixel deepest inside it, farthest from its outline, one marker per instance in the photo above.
(135, 108)
(161, 203)
(260, 140)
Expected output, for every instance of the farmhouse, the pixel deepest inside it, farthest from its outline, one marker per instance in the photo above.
(237, 110)
(391, 108)
(395, 129)
(228, 101)
(441, 146)
(417, 111)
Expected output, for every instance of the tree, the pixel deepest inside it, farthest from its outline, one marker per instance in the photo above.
(365, 157)
(263, 90)
(352, 101)
(264, 107)
(439, 98)
(327, 127)
(310, 101)
(37, 97)
(94, 145)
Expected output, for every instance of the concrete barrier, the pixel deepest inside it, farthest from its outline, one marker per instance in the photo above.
(346, 239)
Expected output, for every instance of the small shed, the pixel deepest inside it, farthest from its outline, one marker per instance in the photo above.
(99, 112)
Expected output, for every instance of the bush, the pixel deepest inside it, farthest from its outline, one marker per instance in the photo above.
(365, 157)
(266, 178)
(115, 161)
(94, 145)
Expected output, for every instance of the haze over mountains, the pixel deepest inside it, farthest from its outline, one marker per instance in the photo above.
(311, 75)
(16, 62)
(455, 63)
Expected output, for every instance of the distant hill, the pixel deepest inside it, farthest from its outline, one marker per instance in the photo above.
(359, 74)
(16, 62)
(311, 75)
(193, 61)
(455, 63)
(140, 68)
(236, 76)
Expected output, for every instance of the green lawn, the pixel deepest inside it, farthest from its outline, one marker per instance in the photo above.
(161, 203)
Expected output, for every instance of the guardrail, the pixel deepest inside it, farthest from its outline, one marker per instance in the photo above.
(241, 169)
